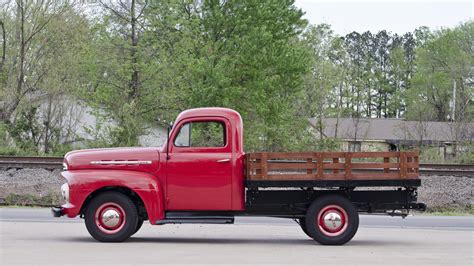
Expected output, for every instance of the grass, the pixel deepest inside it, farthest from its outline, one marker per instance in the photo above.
(450, 211)
(22, 207)
(50, 199)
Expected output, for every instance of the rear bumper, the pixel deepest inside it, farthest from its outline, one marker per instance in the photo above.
(418, 207)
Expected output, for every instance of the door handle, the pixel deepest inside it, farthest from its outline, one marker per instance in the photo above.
(223, 161)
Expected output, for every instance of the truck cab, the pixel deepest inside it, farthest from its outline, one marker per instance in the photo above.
(202, 175)
(204, 161)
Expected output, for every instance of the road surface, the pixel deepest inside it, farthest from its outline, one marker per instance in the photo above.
(32, 236)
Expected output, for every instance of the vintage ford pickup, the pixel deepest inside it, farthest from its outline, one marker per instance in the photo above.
(202, 175)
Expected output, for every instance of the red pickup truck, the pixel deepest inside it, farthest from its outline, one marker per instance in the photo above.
(202, 175)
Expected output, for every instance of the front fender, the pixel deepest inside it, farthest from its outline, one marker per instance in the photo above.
(82, 183)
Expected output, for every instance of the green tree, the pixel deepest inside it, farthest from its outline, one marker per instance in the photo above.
(402, 56)
(246, 55)
(442, 85)
(323, 78)
(444, 73)
(118, 68)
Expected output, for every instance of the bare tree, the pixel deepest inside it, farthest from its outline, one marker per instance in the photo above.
(31, 18)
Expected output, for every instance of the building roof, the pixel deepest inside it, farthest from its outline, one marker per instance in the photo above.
(395, 130)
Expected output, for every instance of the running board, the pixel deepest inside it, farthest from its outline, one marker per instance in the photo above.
(196, 221)
(196, 218)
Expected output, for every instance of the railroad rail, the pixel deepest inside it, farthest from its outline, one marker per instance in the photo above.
(20, 162)
(51, 163)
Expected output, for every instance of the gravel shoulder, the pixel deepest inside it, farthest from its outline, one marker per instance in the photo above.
(438, 192)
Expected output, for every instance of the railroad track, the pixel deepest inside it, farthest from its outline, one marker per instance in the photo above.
(51, 163)
(20, 162)
(430, 169)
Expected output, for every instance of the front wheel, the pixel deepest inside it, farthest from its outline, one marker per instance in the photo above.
(332, 220)
(111, 217)
(139, 225)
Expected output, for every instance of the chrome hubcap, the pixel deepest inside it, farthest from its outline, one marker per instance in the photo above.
(332, 220)
(111, 218)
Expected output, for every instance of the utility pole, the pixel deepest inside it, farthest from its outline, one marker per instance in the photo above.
(453, 116)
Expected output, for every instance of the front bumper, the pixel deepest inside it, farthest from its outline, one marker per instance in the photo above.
(67, 209)
(57, 211)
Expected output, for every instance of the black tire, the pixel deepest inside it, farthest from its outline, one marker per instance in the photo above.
(139, 225)
(338, 232)
(126, 218)
(302, 222)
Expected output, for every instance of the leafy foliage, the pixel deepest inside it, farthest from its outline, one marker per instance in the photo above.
(135, 62)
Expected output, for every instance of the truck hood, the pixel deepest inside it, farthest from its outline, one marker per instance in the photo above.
(133, 159)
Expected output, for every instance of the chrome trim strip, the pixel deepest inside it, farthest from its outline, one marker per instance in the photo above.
(119, 162)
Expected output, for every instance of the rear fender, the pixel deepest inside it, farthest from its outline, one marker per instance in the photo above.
(82, 183)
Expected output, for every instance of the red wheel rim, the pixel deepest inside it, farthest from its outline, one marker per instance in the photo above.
(110, 218)
(332, 220)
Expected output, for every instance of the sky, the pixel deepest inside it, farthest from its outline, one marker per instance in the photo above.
(399, 17)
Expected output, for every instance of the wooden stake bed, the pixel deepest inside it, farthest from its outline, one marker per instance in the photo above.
(332, 166)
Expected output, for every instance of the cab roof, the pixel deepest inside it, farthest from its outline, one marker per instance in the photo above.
(209, 111)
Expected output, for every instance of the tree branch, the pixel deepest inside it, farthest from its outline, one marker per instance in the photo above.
(113, 11)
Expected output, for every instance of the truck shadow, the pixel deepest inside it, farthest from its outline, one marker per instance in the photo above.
(237, 241)
(220, 241)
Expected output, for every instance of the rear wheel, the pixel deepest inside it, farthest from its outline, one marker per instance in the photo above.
(302, 222)
(332, 220)
(111, 217)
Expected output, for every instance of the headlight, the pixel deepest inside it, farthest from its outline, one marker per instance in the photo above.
(64, 166)
(65, 192)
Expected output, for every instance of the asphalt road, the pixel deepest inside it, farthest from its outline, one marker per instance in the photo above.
(32, 236)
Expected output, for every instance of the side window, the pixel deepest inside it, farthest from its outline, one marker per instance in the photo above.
(201, 134)
(183, 139)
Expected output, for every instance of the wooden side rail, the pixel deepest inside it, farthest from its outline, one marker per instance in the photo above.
(332, 166)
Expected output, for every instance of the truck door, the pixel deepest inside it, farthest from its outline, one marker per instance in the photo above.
(199, 168)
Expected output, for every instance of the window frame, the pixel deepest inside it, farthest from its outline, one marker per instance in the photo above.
(221, 120)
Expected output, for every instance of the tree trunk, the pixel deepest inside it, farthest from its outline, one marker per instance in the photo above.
(134, 84)
(4, 46)
(21, 33)
(47, 125)
(339, 103)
